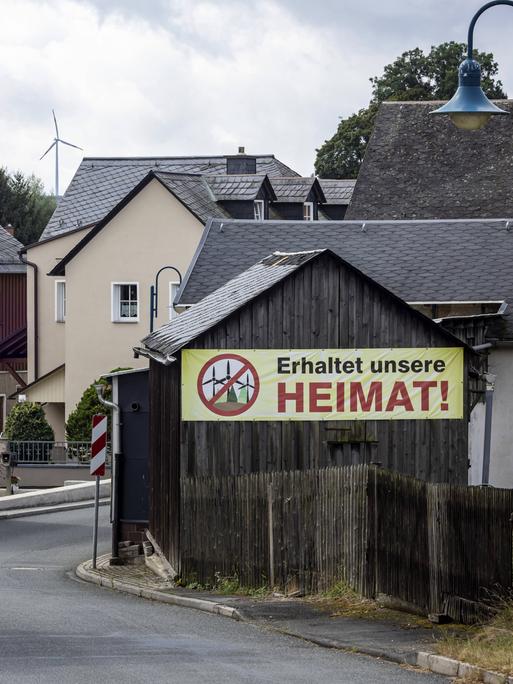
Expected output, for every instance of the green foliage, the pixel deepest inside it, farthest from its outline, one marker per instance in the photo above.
(414, 75)
(27, 423)
(78, 426)
(227, 586)
(341, 156)
(24, 204)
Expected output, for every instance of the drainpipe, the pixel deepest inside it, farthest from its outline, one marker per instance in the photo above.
(36, 311)
(490, 386)
(116, 457)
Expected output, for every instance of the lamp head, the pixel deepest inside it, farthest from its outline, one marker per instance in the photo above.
(469, 108)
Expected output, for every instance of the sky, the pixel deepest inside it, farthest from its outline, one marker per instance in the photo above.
(189, 77)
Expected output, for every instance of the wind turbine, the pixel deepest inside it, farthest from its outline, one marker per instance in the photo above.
(55, 144)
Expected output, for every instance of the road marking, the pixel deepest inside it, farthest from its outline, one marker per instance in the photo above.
(22, 567)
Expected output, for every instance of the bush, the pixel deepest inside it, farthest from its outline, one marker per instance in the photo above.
(78, 426)
(27, 423)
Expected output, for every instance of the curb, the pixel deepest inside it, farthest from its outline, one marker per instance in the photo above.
(407, 659)
(421, 659)
(457, 668)
(85, 572)
(40, 510)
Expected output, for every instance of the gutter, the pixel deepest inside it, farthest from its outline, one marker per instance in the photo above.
(34, 267)
(165, 360)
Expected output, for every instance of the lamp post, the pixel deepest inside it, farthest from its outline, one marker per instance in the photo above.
(469, 107)
(154, 294)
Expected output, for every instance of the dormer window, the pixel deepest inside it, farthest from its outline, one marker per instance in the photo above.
(308, 211)
(258, 208)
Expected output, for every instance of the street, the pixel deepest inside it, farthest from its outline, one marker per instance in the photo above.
(56, 628)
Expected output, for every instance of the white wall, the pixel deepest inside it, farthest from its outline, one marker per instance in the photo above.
(46, 255)
(476, 443)
(501, 461)
(153, 230)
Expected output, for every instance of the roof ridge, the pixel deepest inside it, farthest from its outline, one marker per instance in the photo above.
(361, 222)
(202, 156)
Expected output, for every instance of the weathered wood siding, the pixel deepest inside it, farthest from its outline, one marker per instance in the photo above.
(13, 308)
(440, 548)
(325, 306)
(164, 462)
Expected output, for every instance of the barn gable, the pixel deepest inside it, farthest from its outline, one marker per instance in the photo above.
(322, 303)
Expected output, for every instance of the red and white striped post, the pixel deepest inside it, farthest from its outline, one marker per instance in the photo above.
(97, 468)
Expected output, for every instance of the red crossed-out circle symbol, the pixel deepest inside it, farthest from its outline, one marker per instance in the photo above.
(228, 384)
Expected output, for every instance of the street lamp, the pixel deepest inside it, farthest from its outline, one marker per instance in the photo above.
(469, 107)
(154, 293)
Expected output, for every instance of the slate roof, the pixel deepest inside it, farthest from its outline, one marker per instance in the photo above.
(193, 191)
(225, 300)
(421, 166)
(295, 189)
(100, 183)
(337, 191)
(9, 247)
(419, 261)
(235, 187)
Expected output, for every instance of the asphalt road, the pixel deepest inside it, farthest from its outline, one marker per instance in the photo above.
(59, 630)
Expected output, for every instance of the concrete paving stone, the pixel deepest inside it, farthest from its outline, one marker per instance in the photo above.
(443, 665)
(470, 671)
(494, 678)
(423, 660)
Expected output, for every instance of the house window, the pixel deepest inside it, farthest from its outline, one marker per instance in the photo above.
(60, 301)
(308, 214)
(173, 290)
(125, 302)
(258, 206)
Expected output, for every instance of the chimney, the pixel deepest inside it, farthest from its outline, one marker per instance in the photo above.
(10, 229)
(240, 163)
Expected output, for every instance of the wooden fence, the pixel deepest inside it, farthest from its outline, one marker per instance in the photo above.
(439, 548)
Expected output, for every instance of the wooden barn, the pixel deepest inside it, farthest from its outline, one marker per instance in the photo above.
(302, 301)
(13, 321)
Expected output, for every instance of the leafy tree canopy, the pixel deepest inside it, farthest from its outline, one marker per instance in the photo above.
(414, 75)
(78, 426)
(27, 422)
(24, 204)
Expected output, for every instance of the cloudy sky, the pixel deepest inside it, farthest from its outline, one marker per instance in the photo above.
(180, 77)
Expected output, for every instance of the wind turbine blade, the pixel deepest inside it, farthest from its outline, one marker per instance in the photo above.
(70, 144)
(55, 122)
(48, 150)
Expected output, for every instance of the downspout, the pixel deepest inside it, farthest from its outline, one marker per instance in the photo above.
(36, 311)
(116, 457)
(490, 386)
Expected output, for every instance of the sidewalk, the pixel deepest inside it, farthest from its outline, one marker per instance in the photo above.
(53, 499)
(397, 641)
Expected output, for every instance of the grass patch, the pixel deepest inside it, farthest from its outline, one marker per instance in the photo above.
(226, 586)
(491, 647)
(341, 599)
(231, 586)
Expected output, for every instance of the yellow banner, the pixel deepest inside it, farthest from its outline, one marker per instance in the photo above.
(322, 384)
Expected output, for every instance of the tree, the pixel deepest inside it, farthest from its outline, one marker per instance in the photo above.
(27, 422)
(413, 76)
(78, 426)
(24, 204)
